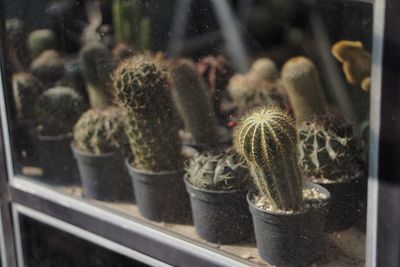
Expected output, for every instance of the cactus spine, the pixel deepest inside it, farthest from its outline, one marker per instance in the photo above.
(140, 88)
(40, 41)
(193, 103)
(267, 139)
(304, 89)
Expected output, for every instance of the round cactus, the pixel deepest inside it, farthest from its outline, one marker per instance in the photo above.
(57, 110)
(267, 139)
(140, 88)
(26, 89)
(263, 69)
(304, 89)
(100, 131)
(40, 41)
(49, 67)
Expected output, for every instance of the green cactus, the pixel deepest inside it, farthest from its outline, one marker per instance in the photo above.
(16, 43)
(140, 88)
(267, 139)
(328, 148)
(49, 67)
(193, 102)
(100, 131)
(40, 41)
(57, 110)
(130, 26)
(26, 89)
(263, 69)
(96, 63)
(304, 89)
(220, 171)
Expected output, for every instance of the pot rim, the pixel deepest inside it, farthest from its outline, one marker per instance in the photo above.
(88, 154)
(210, 191)
(357, 176)
(130, 167)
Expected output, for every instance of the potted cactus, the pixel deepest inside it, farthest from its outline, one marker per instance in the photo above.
(49, 67)
(40, 41)
(140, 89)
(217, 184)
(56, 111)
(99, 145)
(288, 215)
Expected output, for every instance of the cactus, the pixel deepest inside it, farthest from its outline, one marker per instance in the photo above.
(130, 26)
(263, 69)
(100, 131)
(40, 41)
(26, 89)
(57, 110)
(221, 171)
(96, 64)
(49, 67)
(301, 80)
(121, 52)
(267, 140)
(193, 102)
(16, 43)
(140, 88)
(328, 148)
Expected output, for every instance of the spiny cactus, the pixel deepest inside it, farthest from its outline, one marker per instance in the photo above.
(48, 67)
(16, 43)
(193, 102)
(140, 88)
(96, 64)
(57, 110)
(267, 139)
(100, 131)
(304, 89)
(328, 148)
(40, 41)
(263, 69)
(26, 89)
(224, 170)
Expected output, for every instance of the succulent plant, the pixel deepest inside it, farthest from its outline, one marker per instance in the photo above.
(40, 41)
(193, 102)
(263, 69)
(57, 110)
(121, 52)
(100, 131)
(223, 170)
(96, 64)
(26, 89)
(16, 43)
(302, 84)
(49, 67)
(328, 149)
(267, 139)
(141, 89)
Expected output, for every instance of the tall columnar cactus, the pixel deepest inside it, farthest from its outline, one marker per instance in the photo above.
(130, 26)
(267, 139)
(26, 89)
(328, 148)
(100, 131)
(49, 67)
(263, 69)
(193, 102)
(304, 89)
(140, 88)
(16, 43)
(96, 64)
(40, 41)
(57, 110)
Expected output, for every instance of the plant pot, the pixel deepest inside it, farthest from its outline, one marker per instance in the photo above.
(347, 203)
(55, 157)
(104, 177)
(290, 239)
(160, 196)
(220, 216)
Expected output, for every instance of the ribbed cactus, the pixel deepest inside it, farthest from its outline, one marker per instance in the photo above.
(26, 89)
(40, 41)
(224, 170)
(140, 88)
(96, 64)
(267, 139)
(57, 110)
(304, 89)
(263, 69)
(328, 148)
(100, 131)
(49, 67)
(193, 102)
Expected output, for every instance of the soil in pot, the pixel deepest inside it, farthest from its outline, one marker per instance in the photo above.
(291, 238)
(220, 216)
(104, 177)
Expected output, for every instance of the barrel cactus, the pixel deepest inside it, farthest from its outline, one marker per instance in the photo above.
(267, 139)
(26, 89)
(193, 102)
(301, 80)
(40, 41)
(49, 67)
(96, 64)
(140, 89)
(223, 170)
(100, 131)
(57, 110)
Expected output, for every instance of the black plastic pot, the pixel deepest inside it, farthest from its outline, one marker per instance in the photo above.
(290, 239)
(220, 216)
(55, 157)
(347, 203)
(104, 177)
(161, 196)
